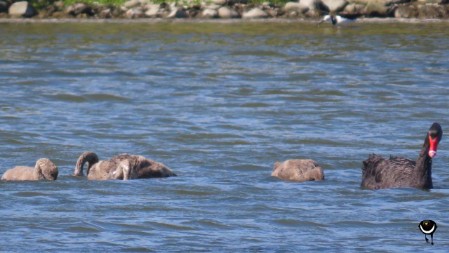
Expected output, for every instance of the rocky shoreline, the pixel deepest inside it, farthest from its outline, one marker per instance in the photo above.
(229, 10)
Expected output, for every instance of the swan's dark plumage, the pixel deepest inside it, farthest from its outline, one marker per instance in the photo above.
(399, 172)
(386, 173)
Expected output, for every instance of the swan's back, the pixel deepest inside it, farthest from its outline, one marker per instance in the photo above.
(20, 173)
(298, 170)
(143, 167)
(102, 170)
(379, 173)
(43, 170)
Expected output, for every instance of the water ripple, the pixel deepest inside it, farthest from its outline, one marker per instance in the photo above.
(219, 104)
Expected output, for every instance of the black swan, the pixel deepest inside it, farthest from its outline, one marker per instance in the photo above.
(121, 167)
(399, 172)
(298, 170)
(43, 170)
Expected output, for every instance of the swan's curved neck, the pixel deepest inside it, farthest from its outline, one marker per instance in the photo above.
(38, 172)
(423, 169)
(79, 168)
(90, 158)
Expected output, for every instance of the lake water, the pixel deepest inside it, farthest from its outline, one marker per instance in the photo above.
(219, 103)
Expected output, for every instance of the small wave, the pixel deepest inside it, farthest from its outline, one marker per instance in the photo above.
(298, 223)
(70, 98)
(103, 97)
(30, 194)
(359, 224)
(255, 105)
(213, 223)
(258, 53)
(194, 192)
(136, 249)
(277, 92)
(165, 225)
(83, 229)
(106, 97)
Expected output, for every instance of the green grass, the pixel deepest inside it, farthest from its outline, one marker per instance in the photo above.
(40, 4)
(102, 2)
(274, 2)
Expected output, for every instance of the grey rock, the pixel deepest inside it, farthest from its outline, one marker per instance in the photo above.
(316, 7)
(209, 13)
(354, 9)
(105, 13)
(432, 11)
(273, 12)
(219, 2)
(335, 5)
(59, 5)
(131, 4)
(380, 2)
(376, 9)
(296, 7)
(78, 9)
(135, 12)
(212, 6)
(226, 12)
(406, 11)
(311, 4)
(177, 13)
(152, 10)
(22, 9)
(255, 13)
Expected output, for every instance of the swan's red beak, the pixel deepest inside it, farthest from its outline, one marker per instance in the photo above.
(433, 146)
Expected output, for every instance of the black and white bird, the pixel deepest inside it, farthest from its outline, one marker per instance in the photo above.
(336, 19)
(428, 227)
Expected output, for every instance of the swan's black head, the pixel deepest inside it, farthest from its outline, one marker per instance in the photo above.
(433, 138)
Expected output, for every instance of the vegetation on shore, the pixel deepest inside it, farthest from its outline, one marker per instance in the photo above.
(40, 4)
